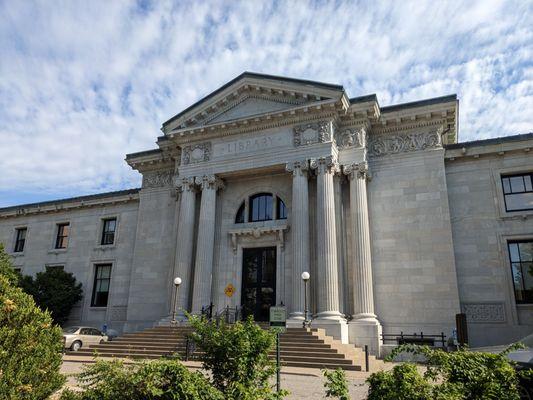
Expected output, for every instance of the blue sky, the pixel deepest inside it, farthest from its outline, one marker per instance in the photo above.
(83, 83)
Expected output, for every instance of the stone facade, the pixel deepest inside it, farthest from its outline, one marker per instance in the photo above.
(400, 227)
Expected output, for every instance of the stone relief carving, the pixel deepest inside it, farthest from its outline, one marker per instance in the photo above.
(394, 144)
(327, 164)
(197, 153)
(484, 312)
(157, 179)
(356, 170)
(257, 232)
(209, 182)
(297, 167)
(317, 132)
(351, 137)
(186, 184)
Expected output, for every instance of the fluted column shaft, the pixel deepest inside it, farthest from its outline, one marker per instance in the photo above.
(203, 270)
(184, 243)
(363, 290)
(300, 234)
(328, 280)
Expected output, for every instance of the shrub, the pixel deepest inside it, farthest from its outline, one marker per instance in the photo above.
(336, 384)
(163, 379)
(54, 290)
(30, 346)
(237, 357)
(455, 375)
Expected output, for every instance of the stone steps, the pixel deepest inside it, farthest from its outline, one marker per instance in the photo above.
(308, 348)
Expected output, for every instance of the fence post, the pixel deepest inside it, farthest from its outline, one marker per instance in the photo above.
(367, 362)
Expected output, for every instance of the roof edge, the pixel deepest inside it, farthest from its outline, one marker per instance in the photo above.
(496, 140)
(419, 103)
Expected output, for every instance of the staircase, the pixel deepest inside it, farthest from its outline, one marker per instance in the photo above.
(299, 347)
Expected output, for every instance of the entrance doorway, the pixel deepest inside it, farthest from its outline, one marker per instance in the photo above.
(258, 282)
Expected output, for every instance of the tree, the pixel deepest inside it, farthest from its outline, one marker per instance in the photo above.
(54, 290)
(236, 355)
(30, 345)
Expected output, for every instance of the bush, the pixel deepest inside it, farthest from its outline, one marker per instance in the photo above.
(54, 290)
(155, 380)
(456, 375)
(30, 346)
(237, 357)
(336, 384)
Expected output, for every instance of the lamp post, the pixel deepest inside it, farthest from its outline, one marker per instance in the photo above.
(177, 283)
(305, 278)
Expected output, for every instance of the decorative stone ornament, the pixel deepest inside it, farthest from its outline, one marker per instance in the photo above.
(317, 132)
(186, 184)
(356, 170)
(394, 144)
(157, 179)
(197, 153)
(297, 167)
(351, 137)
(327, 164)
(209, 182)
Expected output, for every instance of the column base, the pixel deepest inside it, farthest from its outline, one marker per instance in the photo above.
(337, 328)
(366, 331)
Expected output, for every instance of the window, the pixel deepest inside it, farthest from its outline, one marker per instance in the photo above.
(62, 235)
(20, 240)
(50, 267)
(521, 255)
(108, 232)
(281, 210)
(260, 207)
(239, 218)
(518, 192)
(102, 278)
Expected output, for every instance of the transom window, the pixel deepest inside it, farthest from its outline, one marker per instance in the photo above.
(518, 192)
(108, 231)
(102, 279)
(521, 255)
(261, 207)
(20, 240)
(62, 235)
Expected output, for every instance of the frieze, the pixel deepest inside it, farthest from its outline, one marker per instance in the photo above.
(395, 144)
(351, 137)
(157, 179)
(482, 313)
(197, 153)
(316, 132)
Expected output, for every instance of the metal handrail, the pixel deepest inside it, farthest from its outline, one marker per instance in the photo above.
(402, 338)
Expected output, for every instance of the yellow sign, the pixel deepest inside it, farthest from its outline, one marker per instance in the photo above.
(230, 289)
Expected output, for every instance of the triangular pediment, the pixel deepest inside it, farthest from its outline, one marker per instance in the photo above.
(249, 95)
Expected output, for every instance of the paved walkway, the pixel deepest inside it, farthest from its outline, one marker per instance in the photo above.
(303, 383)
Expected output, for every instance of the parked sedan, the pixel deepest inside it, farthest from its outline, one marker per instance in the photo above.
(75, 337)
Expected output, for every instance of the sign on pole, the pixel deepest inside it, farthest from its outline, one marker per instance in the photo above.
(278, 317)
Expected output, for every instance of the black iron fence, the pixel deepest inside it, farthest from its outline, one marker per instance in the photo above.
(415, 338)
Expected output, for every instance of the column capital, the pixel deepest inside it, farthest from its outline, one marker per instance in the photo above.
(324, 165)
(297, 167)
(357, 170)
(186, 184)
(209, 182)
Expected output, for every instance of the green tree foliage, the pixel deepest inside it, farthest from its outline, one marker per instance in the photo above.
(165, 379)
(336, 384)
(54, 290)
(237, 358)
(463, 374)
(30, 345)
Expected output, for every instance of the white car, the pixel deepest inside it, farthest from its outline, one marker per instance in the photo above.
(75, 337)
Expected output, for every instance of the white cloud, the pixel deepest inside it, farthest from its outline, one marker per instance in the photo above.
(84, 83)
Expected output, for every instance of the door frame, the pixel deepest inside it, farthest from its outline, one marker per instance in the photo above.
(280, 263)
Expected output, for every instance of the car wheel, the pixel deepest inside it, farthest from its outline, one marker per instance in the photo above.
(76, 346)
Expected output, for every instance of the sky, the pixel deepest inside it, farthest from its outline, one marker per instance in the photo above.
(83, 83)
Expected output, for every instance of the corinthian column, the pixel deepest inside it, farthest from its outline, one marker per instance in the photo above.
(299, 234)
(327, 279)
(364, 329)
(184, 243)
(203, 270)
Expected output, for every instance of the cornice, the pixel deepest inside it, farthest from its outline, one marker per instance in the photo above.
(76, 203)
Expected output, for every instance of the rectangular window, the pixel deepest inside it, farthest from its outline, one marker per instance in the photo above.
(20, 240)
(108, 232)
(49, 267)
(102, 279)
(62, 235)
(518, 192)
(521, 257)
